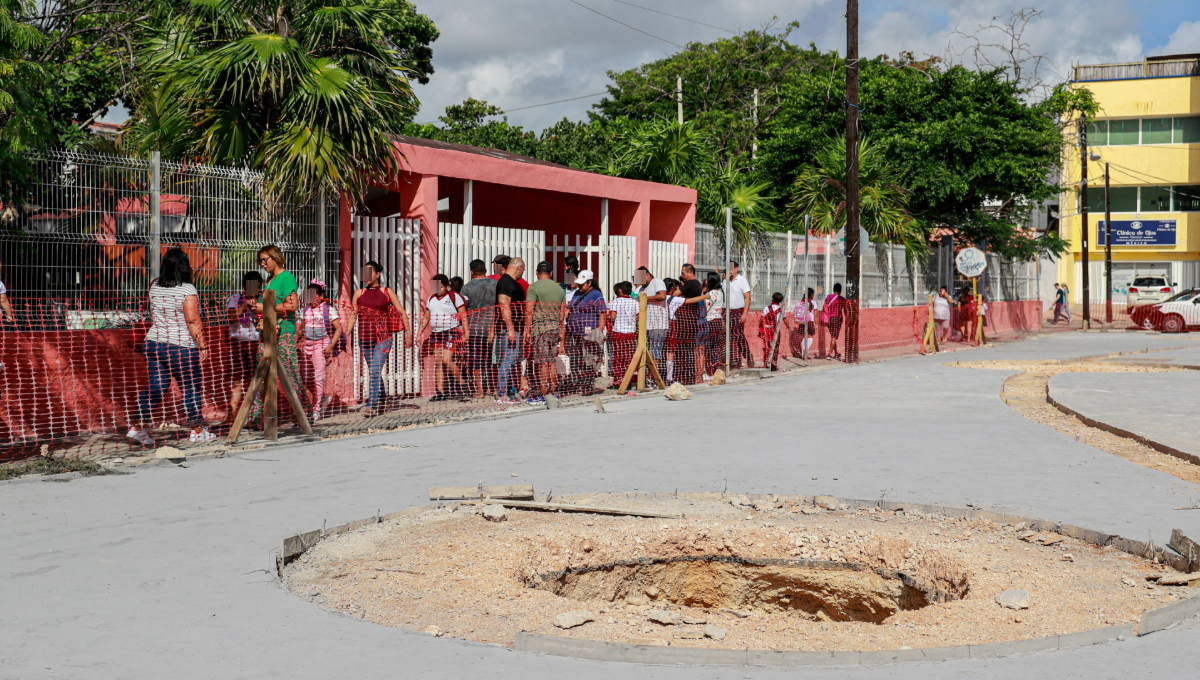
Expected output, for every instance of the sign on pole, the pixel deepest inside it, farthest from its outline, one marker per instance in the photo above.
(970, 262)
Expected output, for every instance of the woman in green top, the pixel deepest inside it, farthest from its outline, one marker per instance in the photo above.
(287, 301)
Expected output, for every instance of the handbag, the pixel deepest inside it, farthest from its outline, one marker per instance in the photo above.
(395, 322)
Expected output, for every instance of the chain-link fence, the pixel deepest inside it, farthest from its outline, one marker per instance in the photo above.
(888, 278)
(90, 228)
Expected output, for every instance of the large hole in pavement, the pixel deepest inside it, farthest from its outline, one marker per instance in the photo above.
(827, 591)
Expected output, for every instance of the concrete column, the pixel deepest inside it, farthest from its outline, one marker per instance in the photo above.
(641, 229)
(468, 218)
(345, 248)
(418, 201)
(602, 275)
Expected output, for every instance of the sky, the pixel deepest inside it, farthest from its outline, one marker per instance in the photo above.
(522, 53)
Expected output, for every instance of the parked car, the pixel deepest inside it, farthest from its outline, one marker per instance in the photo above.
(1150, 316)
(1147, 290)
(1180, 315)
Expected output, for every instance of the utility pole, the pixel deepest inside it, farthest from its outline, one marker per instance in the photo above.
(1083, 213)
(852, 205)
(1107, 250)
(679, 97)
(754, 117)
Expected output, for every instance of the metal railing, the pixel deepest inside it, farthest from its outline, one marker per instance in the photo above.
(93, 222)
(1166, 68)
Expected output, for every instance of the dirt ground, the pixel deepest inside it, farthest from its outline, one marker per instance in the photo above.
(1026, 393)
(930, 581)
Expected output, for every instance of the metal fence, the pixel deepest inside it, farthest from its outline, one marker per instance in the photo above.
(93, 225)
(888, 279)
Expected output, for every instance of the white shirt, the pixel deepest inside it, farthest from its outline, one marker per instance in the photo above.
(941, 307)
(245, 328)
(3, 289)
(716, 303)
(656, 312)
(738, 288)
(627, 315)
(443, 311)
(166, 315)
(673, 305)
(314, 321)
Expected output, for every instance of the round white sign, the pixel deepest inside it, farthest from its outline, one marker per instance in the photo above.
(970, 262)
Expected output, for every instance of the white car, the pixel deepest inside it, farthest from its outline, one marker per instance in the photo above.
(1147, 290)
(1179, 315)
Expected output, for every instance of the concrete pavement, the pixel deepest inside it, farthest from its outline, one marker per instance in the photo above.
(165, 573)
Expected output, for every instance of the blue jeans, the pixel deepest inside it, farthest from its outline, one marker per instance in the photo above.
(657, 339)
(510, 354)
(165, 361)
(376, 354)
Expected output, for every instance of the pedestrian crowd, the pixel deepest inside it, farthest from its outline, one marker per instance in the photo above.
(496, 336)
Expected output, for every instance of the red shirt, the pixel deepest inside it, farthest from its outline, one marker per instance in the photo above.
(523, 282)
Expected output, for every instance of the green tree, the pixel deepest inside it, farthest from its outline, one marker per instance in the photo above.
(309, 91)
(21, 125)
(719, 81)
(820, 193)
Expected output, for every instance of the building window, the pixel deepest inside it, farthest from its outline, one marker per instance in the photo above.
(1187, 198)
(1121, 199)
(1187, 130)
(1156, 131)
(1123, 132)
(1097, 133)
(1156, 199)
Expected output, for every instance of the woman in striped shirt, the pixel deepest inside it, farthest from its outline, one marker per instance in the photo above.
(174, 348)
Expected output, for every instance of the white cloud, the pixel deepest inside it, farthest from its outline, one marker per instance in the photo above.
(1185, 40)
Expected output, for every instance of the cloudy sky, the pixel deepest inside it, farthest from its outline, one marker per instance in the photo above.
(519, 53)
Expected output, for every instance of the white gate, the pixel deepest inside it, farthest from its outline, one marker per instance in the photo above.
(667, 258)
(395, 244)
(456, 248)
(622, 262)
(573, 244)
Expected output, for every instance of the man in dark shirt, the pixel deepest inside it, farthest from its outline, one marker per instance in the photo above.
(510, 322)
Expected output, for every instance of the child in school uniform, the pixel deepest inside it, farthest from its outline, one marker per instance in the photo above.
(767, 329)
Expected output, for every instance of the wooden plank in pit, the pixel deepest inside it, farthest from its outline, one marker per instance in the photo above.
(465, 493)
(566, 507)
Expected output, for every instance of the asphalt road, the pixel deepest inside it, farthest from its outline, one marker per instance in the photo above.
(166, 572)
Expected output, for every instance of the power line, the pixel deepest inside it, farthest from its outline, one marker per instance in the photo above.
(635, 28)
(675, 16)
(559, 101)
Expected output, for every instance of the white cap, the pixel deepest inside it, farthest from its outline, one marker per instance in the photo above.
(583, 277)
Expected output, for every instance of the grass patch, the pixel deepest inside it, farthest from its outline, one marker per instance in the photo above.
(42, 465)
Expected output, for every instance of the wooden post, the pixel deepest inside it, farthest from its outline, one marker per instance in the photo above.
(269, 376)
(643, 339)
(641, 357)
(979, 339)
(929, 339)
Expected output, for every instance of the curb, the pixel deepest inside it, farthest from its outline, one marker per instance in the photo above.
(1151, 621)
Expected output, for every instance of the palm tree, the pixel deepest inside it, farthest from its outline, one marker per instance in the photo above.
(820, 192)
(307, 90)
(21, 125)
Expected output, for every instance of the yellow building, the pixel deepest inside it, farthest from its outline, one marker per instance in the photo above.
(1147, 134)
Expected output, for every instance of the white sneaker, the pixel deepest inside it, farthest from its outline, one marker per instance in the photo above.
(140, 436)
(202, 436)
(316, 415)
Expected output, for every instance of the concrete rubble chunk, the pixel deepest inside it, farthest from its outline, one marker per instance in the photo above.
(763, 506)
(690, 635)
(169, 452)
(1179, 580)
(693, 620)
(677, 392)
(714, 632)
(1013, 599)
(663, 617)
(827, 502)
(718, 378)
(809, 510)
(1129, 582)
(573, 619)
(494, 513)
(434, 631)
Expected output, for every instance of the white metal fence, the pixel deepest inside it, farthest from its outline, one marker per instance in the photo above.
(666, 258)
(395, 244)
(457, 247)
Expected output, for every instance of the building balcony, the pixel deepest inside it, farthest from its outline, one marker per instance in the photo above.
(1172, 66)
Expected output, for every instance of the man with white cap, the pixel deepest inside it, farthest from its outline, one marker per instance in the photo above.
(585, 333)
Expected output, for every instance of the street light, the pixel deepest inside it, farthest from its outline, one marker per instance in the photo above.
(1107, 246)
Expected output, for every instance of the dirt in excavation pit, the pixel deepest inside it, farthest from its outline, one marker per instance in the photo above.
(486, 581)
